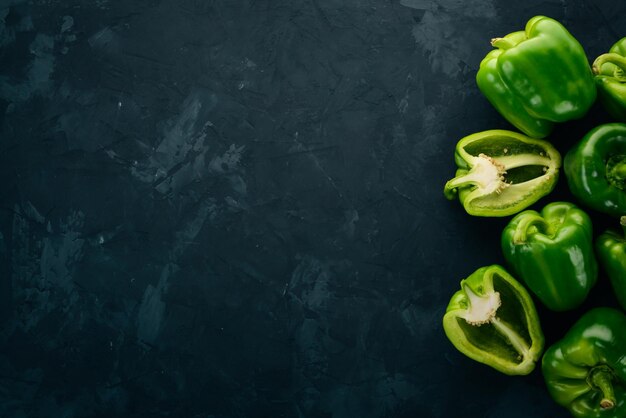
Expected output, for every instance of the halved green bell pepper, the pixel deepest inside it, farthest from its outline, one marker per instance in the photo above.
(537, 77)
(502, 172)
(610, 71)
(493, 320)
(586, 371)
(611, 249)
(596, 169)
(553, 253)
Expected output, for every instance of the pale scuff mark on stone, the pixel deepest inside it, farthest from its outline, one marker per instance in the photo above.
(61, 253)
(181, 156)
(68, 22)
(152, 307)
(43, 264)
(104, 38)
(188, 233)
(38, 76)
(227, 161)
(444, 34)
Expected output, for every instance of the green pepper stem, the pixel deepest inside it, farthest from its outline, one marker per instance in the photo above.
(600, 378)
(502, 43)
(521, 232)
(612, 58)
(622, 222)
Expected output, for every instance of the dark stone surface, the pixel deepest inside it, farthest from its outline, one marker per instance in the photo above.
(234, 208)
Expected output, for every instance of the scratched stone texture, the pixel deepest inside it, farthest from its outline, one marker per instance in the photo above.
(215, 209)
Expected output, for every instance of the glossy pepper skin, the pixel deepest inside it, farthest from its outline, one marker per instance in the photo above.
(596, 169)
(493, 320)
(553, 253)
(502, 172)
(611, 249)
(586, 371)
(537, 77)
(610, 78)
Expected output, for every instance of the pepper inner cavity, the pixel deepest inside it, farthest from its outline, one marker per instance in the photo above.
(488, 339)
(513, 315)
(524, 174)
(496, 146)
(496, 323)
(516, 161)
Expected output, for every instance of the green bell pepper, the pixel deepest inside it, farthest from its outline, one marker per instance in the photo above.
(493, 320)
(552, 252)
(502, 172)
(596, 169)
(610, 80)
(611, 249)
(537, 77)
(586, 370)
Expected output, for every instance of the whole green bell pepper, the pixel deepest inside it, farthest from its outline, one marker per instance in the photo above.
(596, 169)
(610, 71)
(611, 249)
(553, 253)
(493, 320)
(502, 172)
(586, 370)
(537, 77)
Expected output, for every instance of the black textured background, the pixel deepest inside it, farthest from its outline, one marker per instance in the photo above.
(218, 208)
